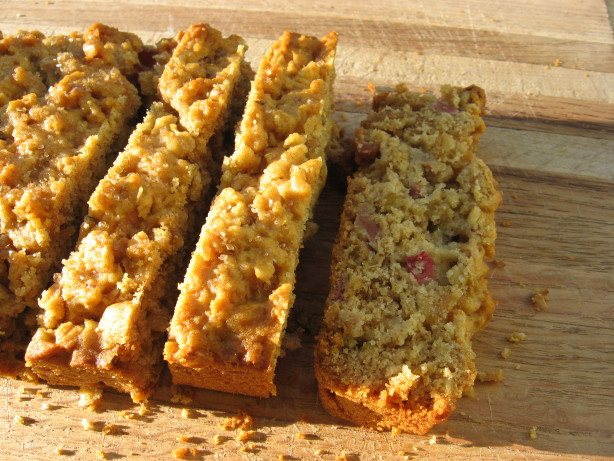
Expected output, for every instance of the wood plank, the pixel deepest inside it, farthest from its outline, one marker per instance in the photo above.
(426, 38)
(549, 141)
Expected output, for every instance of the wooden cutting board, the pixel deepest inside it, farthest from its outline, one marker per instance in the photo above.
(548, 69)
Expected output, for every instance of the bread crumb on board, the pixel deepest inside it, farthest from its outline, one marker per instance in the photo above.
(540, 299)
(533, 432)
(292, 341)
(250, 447)
(246, 435)
(492, 376)
(184, 453)
(90, 397)
(516, 337)
(181, 395)
(19, 419)
(188, 413)
(88, 425)
(111, 429)
(498, 263)
(143, 409)
(126, 414)
(506, 353)
(186, 439)
(469, 392)
(241, 421)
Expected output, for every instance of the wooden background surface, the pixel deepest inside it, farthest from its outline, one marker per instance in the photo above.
(548, 69)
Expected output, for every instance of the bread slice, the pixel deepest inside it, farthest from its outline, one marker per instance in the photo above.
(105, 317)
(66, 102)
(231, 314)
(408, 282)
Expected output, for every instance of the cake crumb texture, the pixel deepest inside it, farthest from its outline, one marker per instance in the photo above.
(408, 280)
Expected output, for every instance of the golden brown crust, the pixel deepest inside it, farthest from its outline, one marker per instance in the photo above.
(408, 280)
(234, 302)
(105, 316)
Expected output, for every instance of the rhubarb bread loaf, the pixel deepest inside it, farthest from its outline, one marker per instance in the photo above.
(105, 317)
(229, 321)
(408, 282)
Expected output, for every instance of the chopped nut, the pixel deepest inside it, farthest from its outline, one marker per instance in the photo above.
(101, 454)
(516, 337)
(433, 440)
(61, 451)
(540, 299)
(45, 406)
(20, 420)
(218, 440)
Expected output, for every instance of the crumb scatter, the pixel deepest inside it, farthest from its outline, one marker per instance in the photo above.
(540, 299)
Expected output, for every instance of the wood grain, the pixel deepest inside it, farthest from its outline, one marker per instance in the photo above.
(550, 143)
